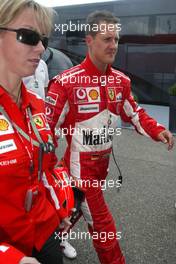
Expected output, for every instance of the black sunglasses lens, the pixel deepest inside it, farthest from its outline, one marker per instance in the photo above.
(28, 37)
(31, 37)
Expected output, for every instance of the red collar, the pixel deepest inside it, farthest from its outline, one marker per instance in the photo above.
(91, 69)
(25, 97)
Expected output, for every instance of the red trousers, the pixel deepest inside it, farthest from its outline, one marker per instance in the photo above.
(100, 222)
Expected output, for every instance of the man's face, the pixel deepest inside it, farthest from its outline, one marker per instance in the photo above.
(103, 46)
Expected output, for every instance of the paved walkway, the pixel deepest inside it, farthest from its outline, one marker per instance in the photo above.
(144, 208)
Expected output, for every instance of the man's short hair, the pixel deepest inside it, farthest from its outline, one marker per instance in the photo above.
(96, 17)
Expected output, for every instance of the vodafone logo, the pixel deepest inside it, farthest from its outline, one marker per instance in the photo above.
(81, 94)
(86, 95)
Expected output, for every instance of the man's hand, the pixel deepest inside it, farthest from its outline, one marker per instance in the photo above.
(28, 260)
(167, 138)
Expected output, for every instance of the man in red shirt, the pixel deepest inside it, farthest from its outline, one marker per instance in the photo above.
(84, 103)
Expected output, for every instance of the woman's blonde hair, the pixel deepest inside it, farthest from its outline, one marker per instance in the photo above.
(9, 9)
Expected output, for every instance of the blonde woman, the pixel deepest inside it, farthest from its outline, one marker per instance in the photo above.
(28, 201)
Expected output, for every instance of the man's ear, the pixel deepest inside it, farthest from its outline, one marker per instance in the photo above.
(89, 40)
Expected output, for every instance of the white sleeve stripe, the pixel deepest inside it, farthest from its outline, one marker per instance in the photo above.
(71, 74)
(121, 74)
(62, 115)
(51, 190)
(134, 117)
(67, 75)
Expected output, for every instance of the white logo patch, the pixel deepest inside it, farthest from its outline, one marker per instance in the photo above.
(51, 98)
(7, 146)
(81, 93)
(93, 94)
(119, 97)
(8, 162)
(5, 126)
(3, 248)
(90, 108)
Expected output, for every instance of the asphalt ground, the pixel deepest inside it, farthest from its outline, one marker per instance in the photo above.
(144, 209)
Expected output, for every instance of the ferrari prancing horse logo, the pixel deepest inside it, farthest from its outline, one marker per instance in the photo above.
(111, 94)
(38, 121)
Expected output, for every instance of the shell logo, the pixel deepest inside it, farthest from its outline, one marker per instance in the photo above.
(4, 125)
(93, 94)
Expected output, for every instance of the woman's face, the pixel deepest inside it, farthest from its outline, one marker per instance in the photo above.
(19, 58)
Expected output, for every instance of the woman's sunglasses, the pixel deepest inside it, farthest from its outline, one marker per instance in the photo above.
(28, 36)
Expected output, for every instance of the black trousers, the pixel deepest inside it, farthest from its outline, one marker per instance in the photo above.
(51, 251)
